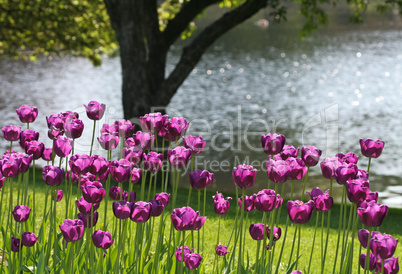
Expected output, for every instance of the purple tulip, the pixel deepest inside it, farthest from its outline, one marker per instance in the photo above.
(323, 202)
(277, 232)
(174, 129)
(102, 178)
(47, 154)
(21, 213)
(52, 175)
(26, 161)
(133, 155)
(136, 174)
(372, 213)
(69, 115)
(88, 220)
(59, 195)
(140, 212)
(371, 148)
(186, 218)
(163, 197)
(62, 146)
(329, 167)
(299, 212)
(391, 265)
(310, 155)
(345, 172)
(156, 208)
(152, 161)
(362, 174)
(257, 231)
(28, 135)
(10, 165)
(125, 127)
(372, 196)
(55, 121)
(272, 143)
(28, 239)
(357, 190)
(99, 165)
(72, 230)
(120, 170)
(11, 132)
(73, 128)
(112, 129)
(278, 171)
(383, 245)
(265, 200)
(178, 253)
(349, 158)
(132, 197)
(102, 239)
(2, 179)
(93, 192)
(80, 164)
(15, 244)
(143, 140)
(289, 151)
(27, 114)
(200, 179)
(192, 260)
(221, 250)
(244, 176)
(53, 133)
(221, 205)
(108, 141)
(195, 143)
(179, 156)
(297, 168)
(84, 207)
(115, 193)
(372, 263)
(296, 272)
(95, 110)
(153, 122)
(248, 204)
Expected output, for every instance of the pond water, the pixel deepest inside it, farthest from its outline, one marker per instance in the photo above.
(338, 85)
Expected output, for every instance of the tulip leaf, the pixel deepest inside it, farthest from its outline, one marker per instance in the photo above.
(290, 269)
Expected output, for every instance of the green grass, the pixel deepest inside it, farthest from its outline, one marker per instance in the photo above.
(392, 225)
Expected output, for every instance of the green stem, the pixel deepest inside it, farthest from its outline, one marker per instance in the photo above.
(33, 197)
(312, 246)
(198, 232)
(109, 156)
(293, 245)
(93, 138)
(343, 202)
(367, 264)
(189, 195)
(240, 256)
(328, 226)
(8, 221)
(369, 164)
(305, 183)
(298, 246)
(203, 214)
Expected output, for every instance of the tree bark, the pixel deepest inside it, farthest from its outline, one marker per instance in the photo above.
(143, 48)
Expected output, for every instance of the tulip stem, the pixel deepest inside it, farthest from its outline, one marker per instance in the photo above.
(293, 245)
(305, 183)
(93, 138)
(257, 256)
(343, 202)
(298, 246)
(369, 164)
(367, 263)
(198, 231)
(203, 214)
(109, 156)
(8, 219)
(189, 195)
(182, 251)
(240, 256)
(312, 246)
(283, 245)
(328, 226)
(33, 197)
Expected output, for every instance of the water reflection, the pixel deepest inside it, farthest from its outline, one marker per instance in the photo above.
(336, 86)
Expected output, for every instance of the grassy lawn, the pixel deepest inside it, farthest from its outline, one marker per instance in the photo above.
(392, 225)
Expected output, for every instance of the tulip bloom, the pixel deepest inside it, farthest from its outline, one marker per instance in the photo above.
(84, 207)
(221, 205)
(277, 232)
(297, 168)
(152, 161)
(52, 175)
(93, 192)
(59, 195)
(99, 165)
(195, 143)
(140, 212)
(257, 231)
(142, 140)
(357, 190)
(278, 171)
(372, 213)
(299, 212)
(163, 197)
(272, 143)
(179, 253)
(156, 208)
(345, 172)
(372, 263)
(10, 165)
(200, 179)
(153, 122)
(88, 219)
(289, 151)
(72, 230)
(221, 250)
(47, 154)
(95, 110)
(27, 114)
(120, 170)
(62, 146)
(102, 239)
(80, 164)
(132, 196)
(133, 155)
(15, 244)
(28, 136)
(329, 167)
(21, 213)
(310, 155)
(322, 201)
(174, 129)
(349, 158)
(371, 148)
(108, 141)
(391, 265)
(383, 245)
(192, 260)
(186, 218)
(179, 156)
(28, 239)
(115, 193)
(244, 176)
(265, 200)
(248, 204)
(11, 132)
(73, 128)
(124, 127)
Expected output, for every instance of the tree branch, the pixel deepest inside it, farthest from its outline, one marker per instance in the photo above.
(184, 17)
(193, 52)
